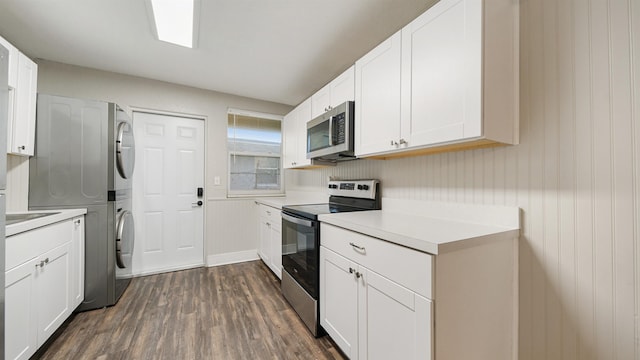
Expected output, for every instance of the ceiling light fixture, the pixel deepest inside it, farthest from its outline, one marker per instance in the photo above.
(174, 21)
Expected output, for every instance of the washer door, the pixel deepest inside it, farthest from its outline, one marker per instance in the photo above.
(124, 240)
(125, 150)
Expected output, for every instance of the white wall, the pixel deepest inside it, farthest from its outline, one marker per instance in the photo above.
(576, 176)
(129, 91)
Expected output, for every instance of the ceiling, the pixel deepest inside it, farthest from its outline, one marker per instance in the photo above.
(275, 50)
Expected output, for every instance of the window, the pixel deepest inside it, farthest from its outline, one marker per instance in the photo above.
(255, 157)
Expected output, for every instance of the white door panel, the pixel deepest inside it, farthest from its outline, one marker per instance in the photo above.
(170, 151)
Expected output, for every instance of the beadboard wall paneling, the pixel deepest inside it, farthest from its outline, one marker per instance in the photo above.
(575, 175)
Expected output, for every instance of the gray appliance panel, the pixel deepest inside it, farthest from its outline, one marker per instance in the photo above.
(303, 303)
(70, 166)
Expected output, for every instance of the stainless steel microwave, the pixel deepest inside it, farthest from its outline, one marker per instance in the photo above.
(330, 135)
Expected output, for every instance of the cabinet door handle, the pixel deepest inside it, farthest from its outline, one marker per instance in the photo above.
(361, 248)
(43, 263)
(403, 142)
(394, 143)
(351, 270)
(358, 274)
(22, 147)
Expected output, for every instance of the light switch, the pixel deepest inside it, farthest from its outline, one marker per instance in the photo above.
(216, 180)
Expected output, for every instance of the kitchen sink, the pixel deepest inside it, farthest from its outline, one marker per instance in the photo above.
(16, 218)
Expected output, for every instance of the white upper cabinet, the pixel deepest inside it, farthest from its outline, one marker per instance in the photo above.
(377, 115)
(336, 92)
(23, 124)
(13, 62)
(295, 136)
(442, 70)
(446, 81)
(23, 86)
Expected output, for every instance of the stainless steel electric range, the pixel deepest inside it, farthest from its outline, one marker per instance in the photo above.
(301, 243)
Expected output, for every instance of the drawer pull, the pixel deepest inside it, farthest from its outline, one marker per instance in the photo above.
(361, 248)
(358, 274)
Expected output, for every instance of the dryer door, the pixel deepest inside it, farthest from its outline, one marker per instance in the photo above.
(124, 240)
(125, 150)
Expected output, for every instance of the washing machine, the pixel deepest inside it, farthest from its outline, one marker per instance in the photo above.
(84, 158)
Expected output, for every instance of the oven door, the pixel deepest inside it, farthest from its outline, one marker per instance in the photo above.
(301, 251)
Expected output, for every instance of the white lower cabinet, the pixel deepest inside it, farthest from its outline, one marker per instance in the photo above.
(44, 268)
(53, 290)
(270, 238)
(370, 316)
(381, 300)
(21, 326)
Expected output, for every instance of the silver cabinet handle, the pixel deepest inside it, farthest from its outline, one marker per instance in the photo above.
(353, 271)
(43, 262)
(361, 248)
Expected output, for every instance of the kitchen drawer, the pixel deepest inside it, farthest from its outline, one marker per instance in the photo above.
(270, 214)
(409, 268)
(29, 244)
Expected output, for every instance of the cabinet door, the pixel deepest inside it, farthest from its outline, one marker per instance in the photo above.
(24, 120)
(442, 74)
(20, 311)
(53, 278)
(377, 96)
(77, 260)
(394, 322)
(339, 301)
(290, 139)
(321, 101)
(276, 249)
(13, 62)
(304, 115)
(264, 249)
(343, 87)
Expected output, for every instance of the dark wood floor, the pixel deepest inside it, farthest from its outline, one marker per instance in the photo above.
(226, 312)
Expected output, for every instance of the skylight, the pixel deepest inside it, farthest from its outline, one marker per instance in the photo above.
(174, 21)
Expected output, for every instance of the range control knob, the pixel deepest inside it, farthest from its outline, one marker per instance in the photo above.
(365, 187)
(333, 186)
(360, 187)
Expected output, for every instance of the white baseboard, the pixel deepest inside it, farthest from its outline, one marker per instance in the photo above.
(232, 258)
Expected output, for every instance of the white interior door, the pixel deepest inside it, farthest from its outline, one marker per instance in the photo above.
(169, 169)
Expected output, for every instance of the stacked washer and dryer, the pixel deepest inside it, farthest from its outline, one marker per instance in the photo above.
(84, 158)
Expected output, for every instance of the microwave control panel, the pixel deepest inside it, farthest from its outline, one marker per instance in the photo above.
(338, 128)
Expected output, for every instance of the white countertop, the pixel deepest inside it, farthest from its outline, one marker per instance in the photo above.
(423, 231)
(58, 215)
(294, 198)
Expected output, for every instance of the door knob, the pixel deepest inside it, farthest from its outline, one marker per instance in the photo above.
(198, 203)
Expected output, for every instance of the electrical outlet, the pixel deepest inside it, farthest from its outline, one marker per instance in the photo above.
(216, 180)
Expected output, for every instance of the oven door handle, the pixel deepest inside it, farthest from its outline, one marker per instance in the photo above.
(298, 221)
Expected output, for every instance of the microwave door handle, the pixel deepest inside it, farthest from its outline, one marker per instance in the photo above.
(297, 221)
(330, 130)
